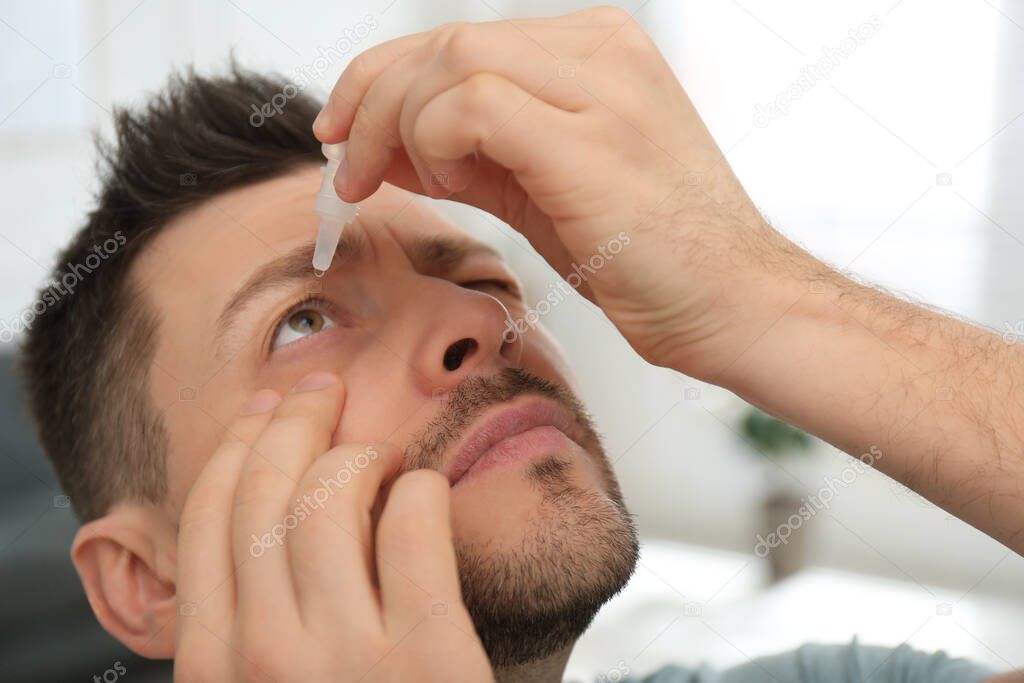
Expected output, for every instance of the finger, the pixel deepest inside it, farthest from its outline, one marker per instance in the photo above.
(491, 115)
(205, 569)
(402, 173)
(301, 430)
(587, 31)
(373, 138)
(537, 143)
(335, 120)
(415, 554)
(254, 415)
(491, 187)
(451, 54)
(331, 549)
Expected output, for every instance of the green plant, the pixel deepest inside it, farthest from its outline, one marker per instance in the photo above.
(771, 436)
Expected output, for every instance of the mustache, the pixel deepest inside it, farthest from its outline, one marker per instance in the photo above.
(474, 395)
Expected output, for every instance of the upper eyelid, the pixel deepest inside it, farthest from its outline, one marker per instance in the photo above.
(492, 269)
(308, 301)
(503, 282)
(262, 326)
(509, 284)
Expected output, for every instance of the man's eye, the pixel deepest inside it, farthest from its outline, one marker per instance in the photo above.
(502, 285)
(299, 324)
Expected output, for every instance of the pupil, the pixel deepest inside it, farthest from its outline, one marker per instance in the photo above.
(306, 321)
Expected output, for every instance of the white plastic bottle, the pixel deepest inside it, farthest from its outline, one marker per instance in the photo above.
(334, 213)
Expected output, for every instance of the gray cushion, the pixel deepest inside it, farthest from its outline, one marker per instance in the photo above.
(47, 630)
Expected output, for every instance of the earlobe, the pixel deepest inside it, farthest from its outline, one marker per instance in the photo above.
(126, 563)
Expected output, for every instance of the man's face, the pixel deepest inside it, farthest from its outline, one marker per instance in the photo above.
(413, 318)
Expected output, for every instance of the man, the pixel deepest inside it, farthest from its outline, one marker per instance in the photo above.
(367, 476)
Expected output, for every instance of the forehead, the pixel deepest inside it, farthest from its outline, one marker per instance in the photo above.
(218, 245)
(193, 268)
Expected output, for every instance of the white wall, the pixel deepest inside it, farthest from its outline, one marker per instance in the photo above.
(851, 171)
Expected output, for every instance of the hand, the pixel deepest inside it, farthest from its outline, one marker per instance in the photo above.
(278, 576)
(575, 132)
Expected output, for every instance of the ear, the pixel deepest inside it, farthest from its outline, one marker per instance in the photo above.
(126, 561)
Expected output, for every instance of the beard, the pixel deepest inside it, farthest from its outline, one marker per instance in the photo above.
(580, 547)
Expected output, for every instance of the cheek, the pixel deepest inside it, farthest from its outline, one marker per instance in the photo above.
(194, 421)
(381, 404)
(544, 357)
(193, 434)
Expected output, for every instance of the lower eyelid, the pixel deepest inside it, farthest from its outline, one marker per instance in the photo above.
(300, 343)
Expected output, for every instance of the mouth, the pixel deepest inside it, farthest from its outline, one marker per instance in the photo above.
(513, 432)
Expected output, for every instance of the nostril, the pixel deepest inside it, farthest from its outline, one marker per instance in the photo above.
(458, 352)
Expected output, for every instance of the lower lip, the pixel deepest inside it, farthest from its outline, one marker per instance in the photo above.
(521, 447)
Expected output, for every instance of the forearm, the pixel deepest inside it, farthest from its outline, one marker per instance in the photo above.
(940, 399)
(1008, 677)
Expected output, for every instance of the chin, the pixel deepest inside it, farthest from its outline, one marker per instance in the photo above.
(542, 536)
(541, 547)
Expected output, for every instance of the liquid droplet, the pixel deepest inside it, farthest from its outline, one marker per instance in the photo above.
(318, 272)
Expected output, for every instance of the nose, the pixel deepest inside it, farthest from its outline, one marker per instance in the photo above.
(466, 335)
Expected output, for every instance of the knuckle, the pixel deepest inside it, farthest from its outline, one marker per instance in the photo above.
(634, 41)
(477, 95)
(360, 69)
(443, 32)
(607, 14)
(461, 45)
(386, 455)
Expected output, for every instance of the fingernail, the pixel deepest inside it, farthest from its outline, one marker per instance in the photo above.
(260, 402)
(341, 177)
(322, 121)
(315, 382)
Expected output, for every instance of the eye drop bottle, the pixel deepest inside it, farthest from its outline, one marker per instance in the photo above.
(334, 213)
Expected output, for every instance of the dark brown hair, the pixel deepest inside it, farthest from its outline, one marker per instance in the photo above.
(87, 352)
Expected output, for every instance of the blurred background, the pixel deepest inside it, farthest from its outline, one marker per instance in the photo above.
(892, 151)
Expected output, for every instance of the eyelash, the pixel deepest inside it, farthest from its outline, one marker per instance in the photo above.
(314, 302)
(324, 306)
(503, 285)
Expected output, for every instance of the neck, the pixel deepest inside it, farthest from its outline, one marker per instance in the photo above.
(547, 670)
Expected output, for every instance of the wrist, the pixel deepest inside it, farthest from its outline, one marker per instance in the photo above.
(773, 286)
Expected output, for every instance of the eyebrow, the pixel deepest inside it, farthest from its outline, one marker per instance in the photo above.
(436, 256)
